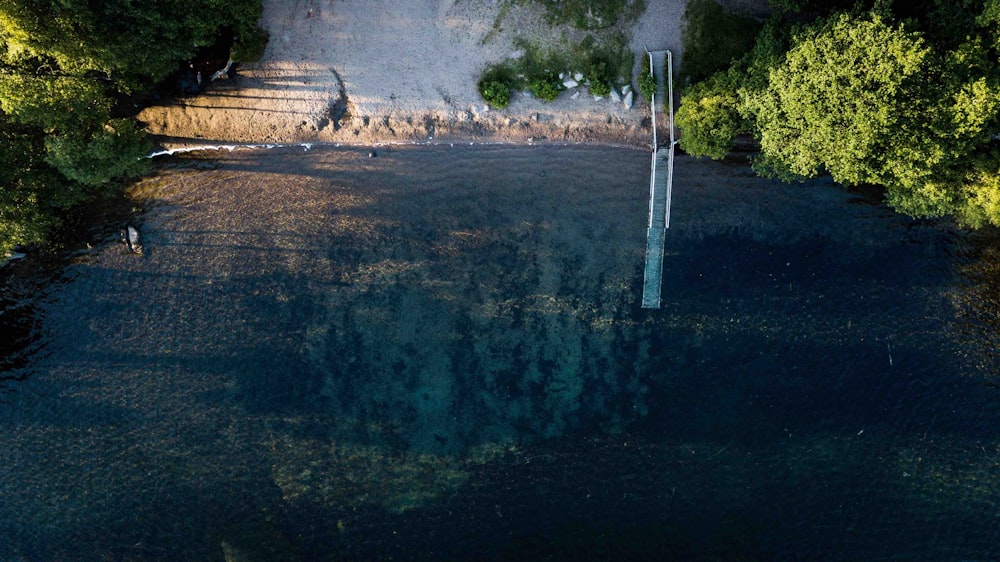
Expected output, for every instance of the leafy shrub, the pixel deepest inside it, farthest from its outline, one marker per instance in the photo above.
(496, 84)
(605, 61)
(546, 87)
(600, 88)
(647, 83)
(497, 94)
(708, 117)
(116, 150)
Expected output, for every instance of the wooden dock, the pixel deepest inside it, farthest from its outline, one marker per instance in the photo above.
(660, 183)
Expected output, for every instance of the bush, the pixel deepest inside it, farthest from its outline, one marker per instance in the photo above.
(708, 117)
(600, 88)
(647, 83)
(496, 84)
(496, 94)
(546, 87)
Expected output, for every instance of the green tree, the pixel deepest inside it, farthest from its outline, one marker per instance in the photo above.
(62, 62)
(708, 117)
(116, 150)
(54, 103)
(839, 101)
(133, 43)
(25, 183)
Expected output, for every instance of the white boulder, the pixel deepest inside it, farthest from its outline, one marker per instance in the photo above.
(570, 84)
(628, 100)
(615, 96)
(578, 77)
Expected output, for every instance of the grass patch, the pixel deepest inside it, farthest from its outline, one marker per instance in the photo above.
(591, 14)
(713, 38)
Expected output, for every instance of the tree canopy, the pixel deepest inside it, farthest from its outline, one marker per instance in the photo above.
(868, 98)
(63, 63)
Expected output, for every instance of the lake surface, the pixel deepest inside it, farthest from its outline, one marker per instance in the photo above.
(439, 353)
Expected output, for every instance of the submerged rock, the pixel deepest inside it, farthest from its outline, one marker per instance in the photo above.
(132, 239)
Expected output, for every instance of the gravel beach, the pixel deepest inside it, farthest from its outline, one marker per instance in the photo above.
(402, 71)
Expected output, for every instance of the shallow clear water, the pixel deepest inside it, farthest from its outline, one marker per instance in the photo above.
(439, 353)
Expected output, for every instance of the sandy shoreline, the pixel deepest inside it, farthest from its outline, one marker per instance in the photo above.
(404, 72)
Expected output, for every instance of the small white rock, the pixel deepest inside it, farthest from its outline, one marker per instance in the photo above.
(626, 89)
(578, 76)
(598, 98)
(562, 75)
(615, 97)
(575, 95)
(570, 84)
(628, 100)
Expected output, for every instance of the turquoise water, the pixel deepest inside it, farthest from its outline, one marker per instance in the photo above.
(439, 353)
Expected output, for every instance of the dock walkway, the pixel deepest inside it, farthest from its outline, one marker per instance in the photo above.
(660, 180)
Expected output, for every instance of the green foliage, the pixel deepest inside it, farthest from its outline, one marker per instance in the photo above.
(911, 107)
(839, 100)
(592, 14)
(133, 43)
(713, 38)
(599, 87)
(538, 68)
(709, 118)
(603, 62)
(497, 94)
(25, 181)
(981, 193)
(250, 45)
(62, 63)
(768, 52)
(495, 85)
(786, 5)
(647, 82)
(989, 19)
(114, 151)
(546, 87)
(54, 102)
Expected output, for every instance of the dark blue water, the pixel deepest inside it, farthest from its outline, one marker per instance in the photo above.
(439, 354)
